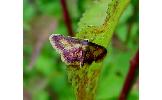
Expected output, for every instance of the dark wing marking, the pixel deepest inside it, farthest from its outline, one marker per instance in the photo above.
(94, 52)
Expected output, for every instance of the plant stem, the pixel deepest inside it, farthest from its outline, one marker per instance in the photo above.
(134, 64)
(84, 79)
(67, 18)
(84, 85)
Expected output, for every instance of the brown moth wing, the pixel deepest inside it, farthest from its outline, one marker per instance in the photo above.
(70, 49)
(95, 52)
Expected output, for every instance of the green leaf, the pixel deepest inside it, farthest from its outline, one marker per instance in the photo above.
(45, 65)
(29, 11)
(95, 15)
(126, 14)
(122, 32)
(99, 22)
(41, 95)
(49, 7)
(134, 30)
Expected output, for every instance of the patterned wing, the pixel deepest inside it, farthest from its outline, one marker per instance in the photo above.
(75, 51)
(70, 49)
(94, 52)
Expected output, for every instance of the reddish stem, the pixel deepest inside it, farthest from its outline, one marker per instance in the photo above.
(67, 18)
(134, 64)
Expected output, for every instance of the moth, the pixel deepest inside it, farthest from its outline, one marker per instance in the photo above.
(77, 52)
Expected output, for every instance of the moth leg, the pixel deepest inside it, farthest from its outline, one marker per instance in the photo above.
(82, 58)
(80, 65)
(82, 62)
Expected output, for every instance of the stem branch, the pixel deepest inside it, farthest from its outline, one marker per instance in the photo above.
(134, 64)
(67, 18)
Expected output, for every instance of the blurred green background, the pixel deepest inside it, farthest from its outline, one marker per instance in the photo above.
(44, 74)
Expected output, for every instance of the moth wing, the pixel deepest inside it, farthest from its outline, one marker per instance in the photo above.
(97, 52)
(67, 62)
(71, 57)
(59, 42)
(68, 48)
